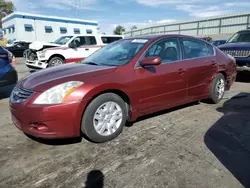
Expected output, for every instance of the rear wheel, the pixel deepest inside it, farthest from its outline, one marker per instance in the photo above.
(104, 118)
(55, 61)
(217, 89)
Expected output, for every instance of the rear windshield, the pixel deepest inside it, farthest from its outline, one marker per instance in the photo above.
(108, 40)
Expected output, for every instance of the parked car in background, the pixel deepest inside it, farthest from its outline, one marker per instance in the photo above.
(8, 74)
(126, 79)
(239, 47)
(208, 39)
(66, 49)
(18, 48)
(218, 42)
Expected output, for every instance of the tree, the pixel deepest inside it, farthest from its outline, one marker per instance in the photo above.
(6, 7)
(119, 30)
(134, 27)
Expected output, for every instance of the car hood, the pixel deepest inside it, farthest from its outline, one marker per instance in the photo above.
(44, 79)
(234, 46)
(37, 45)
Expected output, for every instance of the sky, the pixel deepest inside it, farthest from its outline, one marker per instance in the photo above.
(142, 13)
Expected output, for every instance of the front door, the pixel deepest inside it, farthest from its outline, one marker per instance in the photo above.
(202, 66)
(164, 85)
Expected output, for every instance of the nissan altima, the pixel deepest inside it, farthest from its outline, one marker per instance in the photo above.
(126, 79)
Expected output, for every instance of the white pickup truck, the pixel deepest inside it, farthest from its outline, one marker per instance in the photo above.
(66, 49)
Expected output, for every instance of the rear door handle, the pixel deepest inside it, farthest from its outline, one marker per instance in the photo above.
(181, 71)
(86, 49)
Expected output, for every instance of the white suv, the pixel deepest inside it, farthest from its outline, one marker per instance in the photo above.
(66, 49)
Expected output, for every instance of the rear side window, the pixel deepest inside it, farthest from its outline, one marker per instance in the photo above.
(196, 49)
(108, 40)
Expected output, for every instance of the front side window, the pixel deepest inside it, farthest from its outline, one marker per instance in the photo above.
(240, 37)
(167, 49)
(196, 49)
(117, 53)
(80, 41)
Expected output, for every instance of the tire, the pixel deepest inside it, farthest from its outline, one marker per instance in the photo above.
(107, 119)
(217, 89)
(55, 61)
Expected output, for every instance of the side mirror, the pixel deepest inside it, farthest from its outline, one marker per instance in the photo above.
(72, 44)
(153, 61)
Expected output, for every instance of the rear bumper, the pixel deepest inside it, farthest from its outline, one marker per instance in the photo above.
(9, 78)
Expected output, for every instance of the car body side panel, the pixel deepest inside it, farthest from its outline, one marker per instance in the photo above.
(158, 87)
(200, 74)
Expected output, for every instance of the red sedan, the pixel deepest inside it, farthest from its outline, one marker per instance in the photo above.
(124, 80)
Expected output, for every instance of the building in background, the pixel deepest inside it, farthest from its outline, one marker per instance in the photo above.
(33, 27)
(215, 27)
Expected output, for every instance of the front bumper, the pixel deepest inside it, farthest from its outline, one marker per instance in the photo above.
(36, 64)
(243, 64)
(46, 121)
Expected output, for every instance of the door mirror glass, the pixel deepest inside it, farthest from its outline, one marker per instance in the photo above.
(150, 61)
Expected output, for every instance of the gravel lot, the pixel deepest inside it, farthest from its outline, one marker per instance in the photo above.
(196, 145)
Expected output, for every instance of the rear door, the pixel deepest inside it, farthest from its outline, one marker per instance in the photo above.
(164, 85)
(91, 46)
(202, 66)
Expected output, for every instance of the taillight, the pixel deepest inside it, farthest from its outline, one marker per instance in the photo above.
(10, 56)
(4, 56)
(7, 56)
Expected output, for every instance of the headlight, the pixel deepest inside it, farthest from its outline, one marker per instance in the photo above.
(57, 94)
(42, 53)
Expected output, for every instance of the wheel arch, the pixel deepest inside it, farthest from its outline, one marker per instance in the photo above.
(118, 92)
(56, 55)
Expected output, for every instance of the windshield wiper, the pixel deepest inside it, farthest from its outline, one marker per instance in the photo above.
(91, 63)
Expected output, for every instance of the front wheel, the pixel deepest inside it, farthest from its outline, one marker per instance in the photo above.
(55, 61)
(104, 118)
(217, 89)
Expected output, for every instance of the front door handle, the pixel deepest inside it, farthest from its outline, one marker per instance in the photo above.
(86, 49)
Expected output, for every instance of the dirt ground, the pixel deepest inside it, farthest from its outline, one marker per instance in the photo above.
(196, 145)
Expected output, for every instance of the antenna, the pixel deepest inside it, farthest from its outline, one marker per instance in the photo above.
(76, 5)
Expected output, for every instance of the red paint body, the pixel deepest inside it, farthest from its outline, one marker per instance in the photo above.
(148, 90)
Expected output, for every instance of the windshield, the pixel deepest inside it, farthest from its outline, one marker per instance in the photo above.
(240, 37)
(63, 40)
(118, 53)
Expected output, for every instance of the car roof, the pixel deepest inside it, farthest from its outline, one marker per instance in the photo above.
(245, 30)
(157, 36)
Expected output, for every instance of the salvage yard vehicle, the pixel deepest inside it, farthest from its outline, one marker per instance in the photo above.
(18, 48)
(218, 42)
(120, 82)
(238, 46)
(66, 49)
(8, 74)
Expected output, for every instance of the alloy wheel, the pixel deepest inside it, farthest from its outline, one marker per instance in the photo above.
(220, 88)
(107, 118)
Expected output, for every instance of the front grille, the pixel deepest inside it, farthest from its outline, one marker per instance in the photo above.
(31, 55)
(238, 53)
(20, 95)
